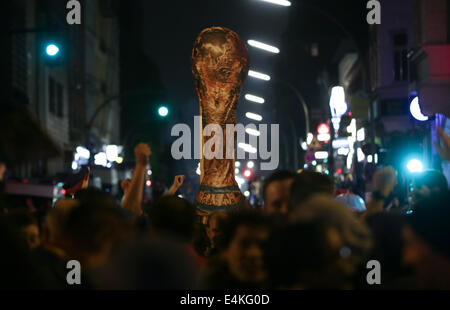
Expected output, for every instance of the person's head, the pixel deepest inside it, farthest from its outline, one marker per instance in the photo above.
(149, 264)
(354, 235)
(428, 183)
(242, 245)
(173, 216)
(276, 192)
(94, 227)
(307, 255)
(387, 229)
(427, 238)
(26, 226)
(214, 226)
(53, 233)
(308, 183)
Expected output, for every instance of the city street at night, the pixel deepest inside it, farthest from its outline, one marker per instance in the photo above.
(206, 148)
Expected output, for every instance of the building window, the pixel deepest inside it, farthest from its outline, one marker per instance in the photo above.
(52, 95)
(60, 100)
(401, 57)
(55, 97)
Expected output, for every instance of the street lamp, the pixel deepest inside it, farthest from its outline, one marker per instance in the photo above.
(279, 2)
(254, 98)
(263, 46)
(253, 116)
(259, 75)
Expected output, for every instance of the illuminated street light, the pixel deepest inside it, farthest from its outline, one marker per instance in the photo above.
(415, 110)
(250, 164)
(254, 116)
(414, 165)
(253, 132)
(247, 147)
(259, 75)
(321, 155)
(254, 98)
(279, 2)
(263, 46)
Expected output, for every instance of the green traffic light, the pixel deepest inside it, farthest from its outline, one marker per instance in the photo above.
(163, 111)
(52, 50)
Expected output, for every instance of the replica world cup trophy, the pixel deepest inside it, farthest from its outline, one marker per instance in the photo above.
(220, 65)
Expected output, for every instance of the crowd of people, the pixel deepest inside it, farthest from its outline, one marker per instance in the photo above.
(305, 236)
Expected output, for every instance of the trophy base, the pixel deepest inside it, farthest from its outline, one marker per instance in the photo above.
(210, 199)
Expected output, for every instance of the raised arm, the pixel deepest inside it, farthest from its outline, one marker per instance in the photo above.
(133, 191)
(177, 182)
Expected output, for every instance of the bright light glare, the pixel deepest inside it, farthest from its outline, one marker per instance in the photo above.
(250, 164)
(83, 152)
(259, 75)
(163, 111)
(254, 98)
(415, 110)
(246, 193)
(414, 165)
(304, 146)
(279, 2)
(263, 46)
(239, 180)
(252, 132)
(309, 138)
(74, 165)
(369, 158)
(254, 116)
(360, 155)
(119, 160)
(52, 50)
(323, 128)
(324, 137)
(247, 147)
(237, 164)
(321, 155)
(343, 151)
(100, 159)
(361, 134)
(338, 143)
(338, 105)
(236, 170)
(247, 173)
(112, 152)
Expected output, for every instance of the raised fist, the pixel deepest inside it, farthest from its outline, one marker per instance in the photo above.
(142, 152)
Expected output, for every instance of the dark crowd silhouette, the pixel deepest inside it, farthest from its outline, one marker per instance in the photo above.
(306, 235)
